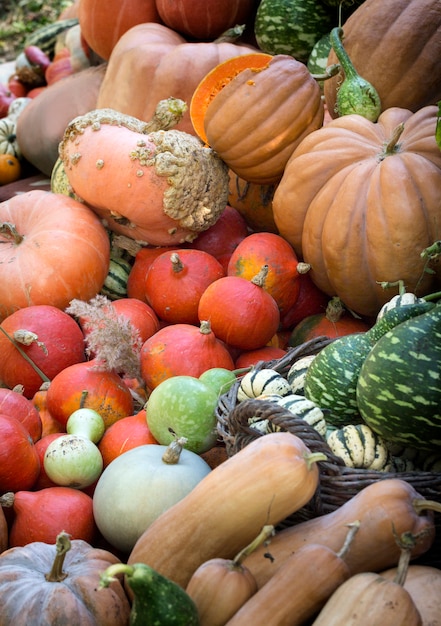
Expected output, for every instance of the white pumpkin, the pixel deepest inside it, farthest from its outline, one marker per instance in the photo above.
(137, 486)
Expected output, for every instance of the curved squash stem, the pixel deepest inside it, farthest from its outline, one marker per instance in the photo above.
(266, 532)
(42, 375)
(231, 35)
(314, 457)
(392, 146)
(336, 35)
(173, 451)
(353, 529)
(330, 71)
(62, 547)
(406, 542)
(114, 570)
(10, 232)
(421, 505)
(260, 278)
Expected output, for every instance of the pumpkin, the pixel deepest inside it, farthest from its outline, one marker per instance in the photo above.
(125, 434)
(240, 311)
(141, 263)
(385, 508)
(159, 188)
(43, 481)
(260, 249)
(204, 19)
(49, 425)
(182, 349)
(50, 338)
(151, 62)
(139, 485)
(254, 202)
(41, 125)
(85, 385)
(310, 301)
(41, 515)
(45, 584)
(14, 403)
(10, 169)
(273, 475)
(102, 27)
(255, 116)
(53, 249)
(337, 205)
(385, 45)
(19, 462)
(175, 282)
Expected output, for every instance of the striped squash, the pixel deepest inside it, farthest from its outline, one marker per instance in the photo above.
(115, 285)
(359, 447)
(263, 381)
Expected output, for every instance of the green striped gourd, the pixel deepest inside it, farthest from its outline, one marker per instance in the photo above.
(291, 26)
(399, 386)
(46, 36)
(331, 379)
(115, 285)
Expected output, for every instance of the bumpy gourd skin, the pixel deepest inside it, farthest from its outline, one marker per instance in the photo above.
(157, 600)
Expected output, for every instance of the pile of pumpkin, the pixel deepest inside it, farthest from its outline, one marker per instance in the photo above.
(208, 198)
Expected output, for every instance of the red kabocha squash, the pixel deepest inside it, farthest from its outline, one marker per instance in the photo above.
(151, 62)
(385, 45)
(49, 424)
(359, 202)
(19, 462)
(175, 282)
(60, 584)
(310, 301)
(127, 433)
(335, 321)
(204, 19)
(249, 358)
(85, 385)
(42, 515)
(103, 26)
(49, 337)
(143, 259)
(182, 349)
(160, 188)
(282, 279)
(43, 481)
(254, 202)
(41, 124)
(240, 311)
(221, 239)
(15, 404)
(254, 111)
(53, 249)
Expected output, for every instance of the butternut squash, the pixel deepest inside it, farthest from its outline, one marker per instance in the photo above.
(384, 508)
(264, 483)
(301, 587)
(423, 582)
(219, 587)
(368, 598)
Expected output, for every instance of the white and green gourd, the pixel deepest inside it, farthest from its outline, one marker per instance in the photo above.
(264, 381)
(359, 447)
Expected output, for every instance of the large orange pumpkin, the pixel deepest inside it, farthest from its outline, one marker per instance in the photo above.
(396, 46)
(360, 201)
(103, 24)
(152, 62)
(53, 249)
(261, 114)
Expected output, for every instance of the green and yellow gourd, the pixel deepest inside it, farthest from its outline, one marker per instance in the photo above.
(331, 378)
(398, 390)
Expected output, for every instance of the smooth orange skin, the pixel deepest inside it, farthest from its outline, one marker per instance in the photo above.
(127, 433)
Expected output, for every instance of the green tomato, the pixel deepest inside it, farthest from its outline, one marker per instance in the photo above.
(219, 378)
(183, 406)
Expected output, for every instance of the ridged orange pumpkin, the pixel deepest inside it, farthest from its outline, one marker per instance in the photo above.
(360, 201)
(396, 46)
(261, 114)
(152, 62)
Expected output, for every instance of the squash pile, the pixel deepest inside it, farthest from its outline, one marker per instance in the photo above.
(242, 210)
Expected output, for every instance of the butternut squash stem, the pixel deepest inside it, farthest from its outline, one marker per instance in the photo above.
(353, 529)
(62, 547)
(314, 457)
(42, 375)
(266, 532)
(407, 542)
(421, 505)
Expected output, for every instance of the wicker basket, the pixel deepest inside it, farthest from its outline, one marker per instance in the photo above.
(338, 483)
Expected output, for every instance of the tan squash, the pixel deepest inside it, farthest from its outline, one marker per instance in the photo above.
(382, 507)
(41, 124)
(369, 598)
(301, 586)
(423, 582)
(262, 484)
(151, 62)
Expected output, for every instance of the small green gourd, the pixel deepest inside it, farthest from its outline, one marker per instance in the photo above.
(355, 94)
(157, 600)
